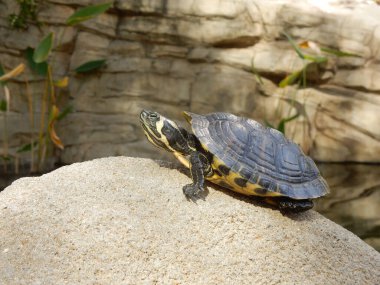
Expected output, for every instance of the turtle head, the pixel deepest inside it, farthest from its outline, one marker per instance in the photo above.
(163, 132)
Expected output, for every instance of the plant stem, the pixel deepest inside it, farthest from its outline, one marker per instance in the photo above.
(41, 147)
(17, 164)
(51, 85)
(31, 118)
(6, 142)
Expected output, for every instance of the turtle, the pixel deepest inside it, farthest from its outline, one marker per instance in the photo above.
(239, 154)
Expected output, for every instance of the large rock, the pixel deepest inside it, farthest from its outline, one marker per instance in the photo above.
(125, 221)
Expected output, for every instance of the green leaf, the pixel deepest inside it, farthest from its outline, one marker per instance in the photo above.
(294, 45)
(41, 53)
(290, 79)
(3, 105)
(304, 76)
(26, 147)
(257, 75)
(299, 107)
(87, 13)
(90, 66)
(65, 112)
(5, 158)
(39, 68)
(316, 59)
(338, 52)
(281, 125)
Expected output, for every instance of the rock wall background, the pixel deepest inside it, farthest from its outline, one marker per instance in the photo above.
(198, 55)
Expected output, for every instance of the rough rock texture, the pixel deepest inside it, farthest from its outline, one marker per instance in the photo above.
(125, 221)
(198, 55)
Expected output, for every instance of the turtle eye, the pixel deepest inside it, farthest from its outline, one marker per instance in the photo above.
(153, 116)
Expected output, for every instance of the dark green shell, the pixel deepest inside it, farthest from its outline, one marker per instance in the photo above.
(260, 155)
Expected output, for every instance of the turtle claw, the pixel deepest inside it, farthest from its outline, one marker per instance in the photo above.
(193, 192)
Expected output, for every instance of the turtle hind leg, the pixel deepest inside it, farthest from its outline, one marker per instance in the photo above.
(294, 206)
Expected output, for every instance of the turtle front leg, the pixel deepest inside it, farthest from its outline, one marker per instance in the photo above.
(198, 166)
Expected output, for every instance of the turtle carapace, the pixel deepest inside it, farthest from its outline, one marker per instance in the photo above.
(239, 154)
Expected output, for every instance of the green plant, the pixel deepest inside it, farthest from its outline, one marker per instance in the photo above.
(27, 14)
(300, 77)
(40, 61)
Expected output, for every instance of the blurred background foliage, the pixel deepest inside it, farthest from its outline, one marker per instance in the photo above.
(53, 110)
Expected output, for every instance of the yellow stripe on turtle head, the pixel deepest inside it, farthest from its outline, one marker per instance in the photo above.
(153, 124)
(163, 138)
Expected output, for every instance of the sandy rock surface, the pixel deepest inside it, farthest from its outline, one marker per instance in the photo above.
(124, 220)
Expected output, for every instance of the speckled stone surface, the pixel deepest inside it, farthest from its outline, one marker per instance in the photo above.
(125, 221)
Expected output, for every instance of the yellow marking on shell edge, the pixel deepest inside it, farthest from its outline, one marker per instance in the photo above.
(187, 116)
(229, 179)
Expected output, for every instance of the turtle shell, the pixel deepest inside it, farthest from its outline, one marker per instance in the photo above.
(258, 156)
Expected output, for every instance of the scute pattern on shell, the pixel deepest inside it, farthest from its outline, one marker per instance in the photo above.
(260, 155)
